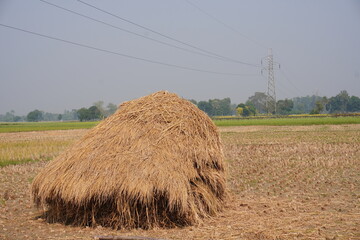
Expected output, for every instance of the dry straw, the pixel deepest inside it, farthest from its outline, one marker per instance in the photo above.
(157, 161)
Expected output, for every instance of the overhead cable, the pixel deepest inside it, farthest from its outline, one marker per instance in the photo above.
(124, 55)
(167, 36)
(131, 32)
(291, 82)
(224, 24)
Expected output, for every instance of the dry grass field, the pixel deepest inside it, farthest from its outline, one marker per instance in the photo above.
(34, 146)
(298, 182)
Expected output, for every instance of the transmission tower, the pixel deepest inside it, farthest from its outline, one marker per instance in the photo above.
(271, 94)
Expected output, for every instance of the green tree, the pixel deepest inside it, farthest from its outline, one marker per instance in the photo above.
(83, 114)
(49, 116)
(217, 107)
(354, 104)
(305, 104)
(339, 103)
(239, 111)
(246, 110)
(70, 115)
(284, 107)
(206, 107)
(320, 106)
(258, 100)
(95, 113)
(100, 106)
(9, 116)
(221, 107)
(193, 101)
(18, 119)
(110, 109)
(34, 116)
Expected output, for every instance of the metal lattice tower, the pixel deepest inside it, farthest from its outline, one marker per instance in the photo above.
(271, 94)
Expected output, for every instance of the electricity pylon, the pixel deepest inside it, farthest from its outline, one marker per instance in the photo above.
(271, 94)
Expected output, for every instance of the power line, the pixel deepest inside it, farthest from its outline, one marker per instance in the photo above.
(224, 24)
(122, 54)
(288, 79)
(130, 32)
(283, 85)
(169, 37)
(284, 89)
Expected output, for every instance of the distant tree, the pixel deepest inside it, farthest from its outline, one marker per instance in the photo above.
(258, 100)
(100, 106)
(193, 101)
(246, 110)
(8, 117)
(18, 119)
(221, 107)
(11, 117)
(284, 107)
(251, 109)
(242, 110)
(305, 104)
(319, 107)
(233, 107)
(95, 113)
(110, 109)
(34, 116)
(50, 116)
(217, 107)
(339, 103)
(354, 104)
(60, 117)
(83, 114)
(239, 111)
(91, 113)
(206, 107)
(70, 115)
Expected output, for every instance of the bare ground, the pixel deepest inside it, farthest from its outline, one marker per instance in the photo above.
(285, 183)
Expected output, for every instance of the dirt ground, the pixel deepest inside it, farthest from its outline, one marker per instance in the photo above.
(284, 183)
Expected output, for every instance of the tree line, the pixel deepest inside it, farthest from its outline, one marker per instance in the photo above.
(341, 103)
(216, 107)
(95, 112)
(255, 105)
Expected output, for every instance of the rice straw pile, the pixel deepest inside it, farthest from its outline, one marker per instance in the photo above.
(157, 161)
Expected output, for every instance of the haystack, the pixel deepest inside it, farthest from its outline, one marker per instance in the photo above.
(157, 161)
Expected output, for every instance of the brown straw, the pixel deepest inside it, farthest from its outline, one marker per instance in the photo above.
(157, 161)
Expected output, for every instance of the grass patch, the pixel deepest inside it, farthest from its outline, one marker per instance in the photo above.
(4, 163)
(23, 147)
(288, 121)
(44, 126)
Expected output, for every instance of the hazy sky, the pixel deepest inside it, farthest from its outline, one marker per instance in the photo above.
(317, 43)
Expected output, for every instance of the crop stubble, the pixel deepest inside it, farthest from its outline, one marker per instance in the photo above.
(286, 183)
(34, 146)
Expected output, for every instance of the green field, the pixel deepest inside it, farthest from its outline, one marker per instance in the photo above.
(288, 121)
(44, 126)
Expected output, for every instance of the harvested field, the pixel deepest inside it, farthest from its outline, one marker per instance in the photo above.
(300, 182)
(34, 146)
